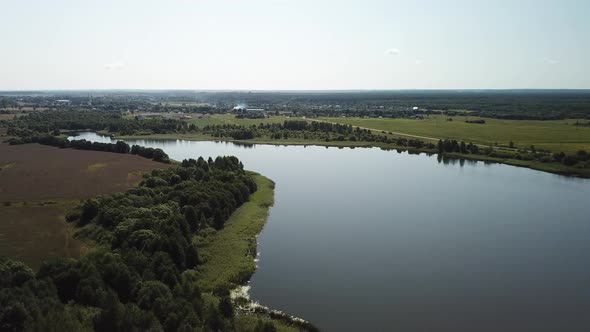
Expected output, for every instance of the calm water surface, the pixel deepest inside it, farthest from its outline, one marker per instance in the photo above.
(373, 240)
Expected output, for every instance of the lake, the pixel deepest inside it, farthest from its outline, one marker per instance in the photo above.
(371, 240)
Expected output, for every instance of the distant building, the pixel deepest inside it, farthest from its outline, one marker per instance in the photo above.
(415, 108)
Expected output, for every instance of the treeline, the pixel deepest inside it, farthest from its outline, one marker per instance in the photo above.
(6, 102)
(319, 131)
(478, 121)
(507, 114)
(119, 147)
(455, 146)
(52, 121)
(143, 277)
(250, 115)
(503, 104)
(579, 160)
(301, 125)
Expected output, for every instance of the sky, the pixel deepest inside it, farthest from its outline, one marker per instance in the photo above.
(294, 44)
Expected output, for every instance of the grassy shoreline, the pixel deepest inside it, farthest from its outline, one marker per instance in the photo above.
(553, 168)
(229, 255)
(268, 141)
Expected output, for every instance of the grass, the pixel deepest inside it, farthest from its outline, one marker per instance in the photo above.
(96, 167)
(39, 184)
(221, 119)
(6, 166)
(556, 168)
(229, 254)
(35, 231)
(43, 172)
(555, 136)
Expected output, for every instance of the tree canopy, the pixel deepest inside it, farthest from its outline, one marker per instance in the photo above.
(143, 275)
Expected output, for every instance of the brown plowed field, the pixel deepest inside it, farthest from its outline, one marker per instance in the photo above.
(33, 234)
(39, 172)
(39, 184)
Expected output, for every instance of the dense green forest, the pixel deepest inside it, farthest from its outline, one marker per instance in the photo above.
(142, 276)
(111, 121)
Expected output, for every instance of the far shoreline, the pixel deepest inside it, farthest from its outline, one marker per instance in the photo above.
(553, 168)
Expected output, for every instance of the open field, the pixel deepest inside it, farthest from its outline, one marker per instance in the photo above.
(555, 136)
(221, 119)
(10, 116)
(37, 172)
(34, 232)
(39, 184)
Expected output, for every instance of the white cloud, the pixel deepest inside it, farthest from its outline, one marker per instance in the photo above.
(418, 62)
(550, 61)
(392, 51)
(114, 66)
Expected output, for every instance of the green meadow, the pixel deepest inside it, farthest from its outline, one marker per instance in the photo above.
(555, 136)
(225, 119)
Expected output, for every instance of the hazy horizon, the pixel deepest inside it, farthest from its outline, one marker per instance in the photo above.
(471, 90)
(282, 45)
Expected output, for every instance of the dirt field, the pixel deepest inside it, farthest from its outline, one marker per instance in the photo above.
(37, 172)
(31, 175)
(34, 233)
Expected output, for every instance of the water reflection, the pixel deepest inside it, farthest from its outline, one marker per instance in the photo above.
(371, 240)
(243, 145)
